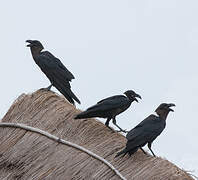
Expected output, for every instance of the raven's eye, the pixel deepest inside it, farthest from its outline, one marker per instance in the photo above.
(162, 107)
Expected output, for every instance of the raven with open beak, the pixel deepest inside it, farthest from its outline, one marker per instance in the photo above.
(53, 68)
(147, 131)
(110, 107)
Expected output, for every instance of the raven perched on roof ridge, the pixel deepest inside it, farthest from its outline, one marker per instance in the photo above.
(110, 107)
(147, 130)
(53, 68)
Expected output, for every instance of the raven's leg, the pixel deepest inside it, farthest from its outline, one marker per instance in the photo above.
(47, 88)
(149, 146)
(143, 150)
(114, 122)
(107, 123)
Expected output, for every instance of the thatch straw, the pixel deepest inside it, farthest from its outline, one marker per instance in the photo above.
(55, 138)
(27, 155)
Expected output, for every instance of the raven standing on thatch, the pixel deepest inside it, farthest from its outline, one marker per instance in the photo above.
(110, 107)
(52, 67)
(147, 131)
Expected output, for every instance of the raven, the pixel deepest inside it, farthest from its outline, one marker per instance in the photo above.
(147, 131)
(53, 68)
(110, 107)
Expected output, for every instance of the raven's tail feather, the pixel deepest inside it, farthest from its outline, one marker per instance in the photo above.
(71, 94)
(125, 151)
(66, 91)
(85, 114)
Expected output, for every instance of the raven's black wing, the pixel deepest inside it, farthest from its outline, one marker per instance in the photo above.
(112, 98)
(110, 103)
(52, 63)
(57, 73)
(106, 107)
(145, 132)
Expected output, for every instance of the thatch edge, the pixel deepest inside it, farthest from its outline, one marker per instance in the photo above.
(25, 110)
(64, 142)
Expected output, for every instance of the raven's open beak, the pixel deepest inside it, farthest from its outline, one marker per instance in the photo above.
(171, 105)
(135, 99)
(137, 95)
(30, 43)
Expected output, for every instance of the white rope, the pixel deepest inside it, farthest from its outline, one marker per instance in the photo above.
(55, 138)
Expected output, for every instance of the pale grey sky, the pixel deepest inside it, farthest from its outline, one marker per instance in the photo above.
(111, 46)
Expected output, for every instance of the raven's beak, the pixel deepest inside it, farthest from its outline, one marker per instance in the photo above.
(135, 99)
(137, 95)
(171, 105)
(30, 43)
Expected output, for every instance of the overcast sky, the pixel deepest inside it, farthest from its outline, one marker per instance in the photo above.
(111, 46)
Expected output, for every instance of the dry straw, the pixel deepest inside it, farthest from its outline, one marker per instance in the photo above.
(28, 155)
(55, 138)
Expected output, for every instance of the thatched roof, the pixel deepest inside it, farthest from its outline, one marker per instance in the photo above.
(28, 155)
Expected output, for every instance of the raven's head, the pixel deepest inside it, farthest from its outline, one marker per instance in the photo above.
(164, 108)
(35, 44)
(132, 95)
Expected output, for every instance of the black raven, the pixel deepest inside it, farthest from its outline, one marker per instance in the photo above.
(110, 107)
(147, 131)
(53, 68)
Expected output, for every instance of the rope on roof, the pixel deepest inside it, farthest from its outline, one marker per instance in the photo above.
(55, 138)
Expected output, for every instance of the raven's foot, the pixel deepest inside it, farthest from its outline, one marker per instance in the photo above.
(121, 130)
(44, 89)
(47, 88)
(143, 151)
(112, 130)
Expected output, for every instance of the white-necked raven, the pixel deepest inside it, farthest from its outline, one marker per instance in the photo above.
(147, 131)
(110, 107)
(53, 68)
